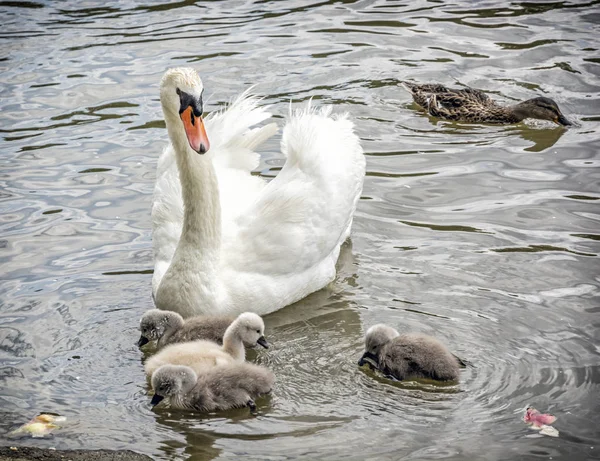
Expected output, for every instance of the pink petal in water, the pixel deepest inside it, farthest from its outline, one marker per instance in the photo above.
(537, 419)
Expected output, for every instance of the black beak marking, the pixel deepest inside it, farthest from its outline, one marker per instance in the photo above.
(156, 400)
(263, 342)
(187, 100)
(370, 359)
(143, 340)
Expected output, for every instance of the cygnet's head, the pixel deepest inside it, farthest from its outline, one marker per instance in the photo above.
(251, 330)
(377, 336)
(155, 323)
(170, 380)
(181, 99)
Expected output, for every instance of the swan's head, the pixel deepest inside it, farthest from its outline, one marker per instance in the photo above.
(377, 336)
(155, 323)
(170, 380)
(181, 98)
(251, 329)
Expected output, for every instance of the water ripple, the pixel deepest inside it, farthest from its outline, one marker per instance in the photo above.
(483, 236)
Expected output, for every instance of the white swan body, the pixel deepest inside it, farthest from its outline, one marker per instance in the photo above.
(225, 241)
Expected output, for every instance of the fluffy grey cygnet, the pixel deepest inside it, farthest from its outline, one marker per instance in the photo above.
(167, 327)
(247, 330)
(410, 355)
(215, 389)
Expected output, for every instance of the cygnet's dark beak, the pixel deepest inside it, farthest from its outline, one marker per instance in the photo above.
(369, 358)
(156, 400)
(143, 340)
(263, 342)
(461, 363)
(563, 120)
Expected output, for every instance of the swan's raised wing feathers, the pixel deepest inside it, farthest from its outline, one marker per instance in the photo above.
(232, 140)
(289, 239)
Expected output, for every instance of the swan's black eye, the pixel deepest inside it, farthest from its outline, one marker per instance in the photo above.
(178, 92)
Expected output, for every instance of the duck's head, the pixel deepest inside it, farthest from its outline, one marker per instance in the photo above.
(155, 323)
(543, 109)
(169, 380)
(377, 336)
(181, 98)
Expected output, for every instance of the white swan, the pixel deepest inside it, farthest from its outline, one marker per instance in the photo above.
(225, 241)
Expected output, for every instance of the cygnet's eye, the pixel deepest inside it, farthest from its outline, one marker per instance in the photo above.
(258, 331)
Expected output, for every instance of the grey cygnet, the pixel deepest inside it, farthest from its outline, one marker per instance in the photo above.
(410, 355)
(167, 327)
(215, 389)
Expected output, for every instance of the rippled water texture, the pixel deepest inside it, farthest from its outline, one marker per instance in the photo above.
(485, 236)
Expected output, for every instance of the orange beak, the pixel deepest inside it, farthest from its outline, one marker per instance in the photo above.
(194, 130)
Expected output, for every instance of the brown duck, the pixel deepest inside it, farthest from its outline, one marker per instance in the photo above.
(474, 106)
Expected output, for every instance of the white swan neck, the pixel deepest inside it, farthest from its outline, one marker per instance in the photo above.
(201, 231)
(190, 284)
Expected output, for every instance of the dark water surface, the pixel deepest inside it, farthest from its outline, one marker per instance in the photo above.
(487, 237)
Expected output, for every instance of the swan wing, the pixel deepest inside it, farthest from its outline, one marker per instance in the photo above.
(233, 141)
(289, 238)
(234, 156)
(166, 214)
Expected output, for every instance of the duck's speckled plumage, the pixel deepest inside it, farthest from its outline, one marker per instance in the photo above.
(474, 106)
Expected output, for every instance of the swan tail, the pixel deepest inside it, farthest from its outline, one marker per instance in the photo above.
(407, 86)
(325, 147)
(313, 135)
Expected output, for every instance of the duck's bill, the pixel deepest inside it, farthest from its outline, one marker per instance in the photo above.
(263, 342)
(194, 130)
(156, 400)
(563, 120)
(142, 341)
(369, 359)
